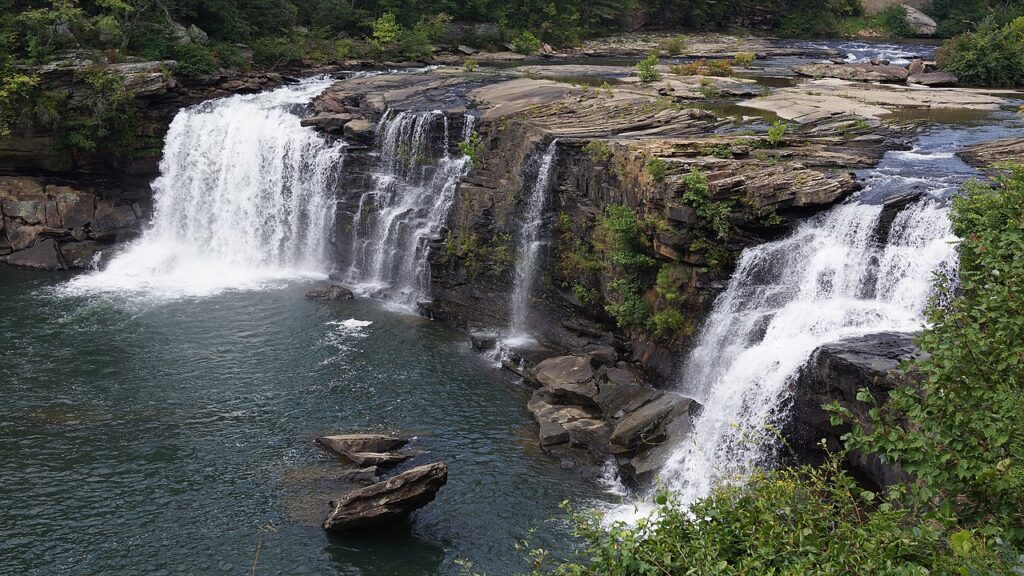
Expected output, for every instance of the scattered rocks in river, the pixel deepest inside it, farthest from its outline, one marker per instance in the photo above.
(387, 501)
(330, 292)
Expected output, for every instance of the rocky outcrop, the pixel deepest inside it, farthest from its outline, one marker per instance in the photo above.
(591, 408)
(854, 72)
(367, 450)
(985, 154)
(330, 292)
(56, 227)
(919, 22)
(835, 373)
(937, 79)
(387, 501)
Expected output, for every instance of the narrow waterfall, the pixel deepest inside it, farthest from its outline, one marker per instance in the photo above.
(529, 244)
(245, 196)
(829, 280)
(413, 190)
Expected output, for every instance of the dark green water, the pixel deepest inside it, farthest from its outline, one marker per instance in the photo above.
(169, 438)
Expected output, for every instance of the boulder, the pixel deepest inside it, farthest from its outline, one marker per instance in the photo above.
(112, 220)
(330, 292)
(81, 255)
(364, 459)
(75, 208)
(468, 51)
(387, 501)
(854, 72)
(197, 35)
(570, 378)
(359, 131)
(29, 208)
(934, 79)
(561, 423)
(916, 67)
(329, 121)
(919, 22)
(361, 442)
(44, 255)
(647, 425)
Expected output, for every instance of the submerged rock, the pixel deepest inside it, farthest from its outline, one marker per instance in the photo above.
(387, 501)
(330, 292)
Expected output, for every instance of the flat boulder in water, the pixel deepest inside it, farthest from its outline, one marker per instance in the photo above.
(854, 72)
(387, 501)
(330, 292)
(361, 442)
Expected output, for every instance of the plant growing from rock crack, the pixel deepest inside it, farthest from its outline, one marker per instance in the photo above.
(657, 168)
(472, 148)
(647, 69)
(777, 133)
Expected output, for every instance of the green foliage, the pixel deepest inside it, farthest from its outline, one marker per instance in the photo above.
(958, 16)
(647, 69)
(472, 148)
(585, 294)
(714, 215)
(744, 59)
(623, 237)
(598, 151)
(16, 94)
(670, 277)
(194, 60)
(627, 304)
(108, 115)
(791, 522)
(955, 425)
(894, 21)
(469, 65)
(674, 45)
(494, 256)
(277, 51)
(777, 133)
(671, 322)
(622, 242)
(526, 43)
(386, 31)
(992, 56)
(703, 67)
(657, 168)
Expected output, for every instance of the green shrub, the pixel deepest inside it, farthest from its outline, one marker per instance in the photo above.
(276, 52)
(229, 55)
(16, 95)
(526, 43)
(777, 133)
(674, 45)
(955, 425)
(791, 522)
(598, 151)
(627, 304)
(469, 65)
(623, 237)
(719, 68)
(472, 148)
(670, 278)
(657, 168)
(194, 60)
(894, 21)
(715, 215)
(992, 56)
(106, 116)
(386, 32)
(671, 323)
(744, 59)
(647, 69)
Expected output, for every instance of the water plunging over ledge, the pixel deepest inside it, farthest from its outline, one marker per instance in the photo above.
(245, 197)
(530, 242)
(413, 190)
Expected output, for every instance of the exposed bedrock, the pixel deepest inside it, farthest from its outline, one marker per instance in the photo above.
(44, 224)
(387, 501)
(835, 373)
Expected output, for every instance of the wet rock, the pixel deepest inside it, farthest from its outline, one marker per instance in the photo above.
(483, 341)
(647, 425)
(568, 377)
(43, 255)
(76, 209)
(854, 72)
(387, 501)
(361, 442)
(110, 220)
(330, 292)
(934, 79)
(364, 459)
(363, 476)
(81, 255)
(985, 154)
(359, 131)
(333, 123)
(836, 372)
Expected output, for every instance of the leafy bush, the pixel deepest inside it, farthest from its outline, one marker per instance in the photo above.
(16, 94)
(992, 56)
(894, 21)
(657, 168)
(671, 322)
(789, 522)
(625, 240)
(627, 305)
(472, 148)
(777, 133)
(714, 216)
(674, 45)
(469, 65)
(194, 60)
(107, 117)
(647, 69)
(276, 52)
(703, 67)
(386, 31)
(744, 59)
(955, 425)
(598, 151)
(526, 43)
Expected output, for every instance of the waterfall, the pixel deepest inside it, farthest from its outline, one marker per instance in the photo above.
(828, 281)
(244, 197)
(530, 243)
(414, 184)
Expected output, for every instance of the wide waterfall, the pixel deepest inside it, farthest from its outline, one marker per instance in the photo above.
(529, 244)
(413, 190)
(832, 278)
(245, 197)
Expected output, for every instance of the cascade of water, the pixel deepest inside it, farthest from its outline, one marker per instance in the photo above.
(530, 242)
(245, 196)
(413, 191)
(829, 280)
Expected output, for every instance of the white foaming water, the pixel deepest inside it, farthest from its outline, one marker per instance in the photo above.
(244, 199)
(530, 243)
(413, 192)
(828, 281)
